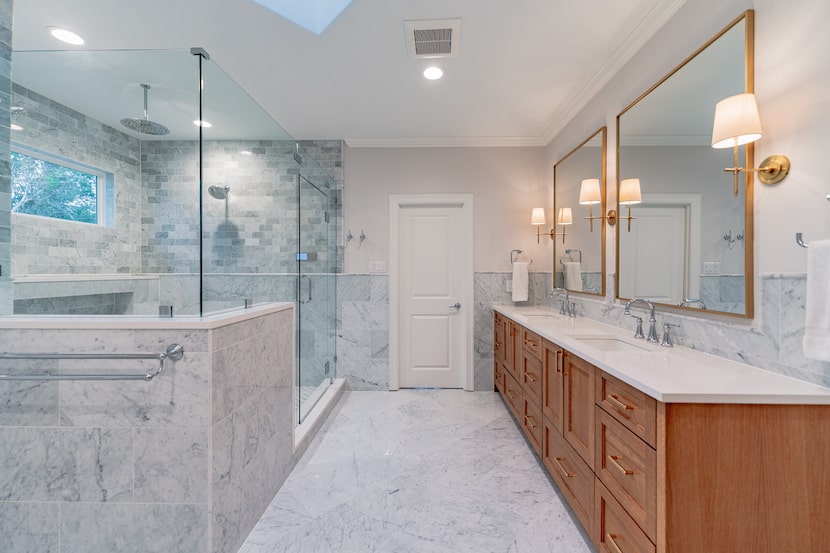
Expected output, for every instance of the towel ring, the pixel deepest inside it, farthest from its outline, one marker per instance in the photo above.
(799, 240)
(518, 253)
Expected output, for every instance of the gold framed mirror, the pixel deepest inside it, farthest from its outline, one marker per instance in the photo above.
(683, 239)
(579, 197)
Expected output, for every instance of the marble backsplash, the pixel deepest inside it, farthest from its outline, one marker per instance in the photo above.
(771, 341)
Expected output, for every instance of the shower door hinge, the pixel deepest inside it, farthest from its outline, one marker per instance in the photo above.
(326, 216)
(327, 368)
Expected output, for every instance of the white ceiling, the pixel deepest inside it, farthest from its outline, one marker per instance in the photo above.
(524, 68)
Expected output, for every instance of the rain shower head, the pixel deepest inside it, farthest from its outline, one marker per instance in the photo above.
(219, 192)
(145, 126)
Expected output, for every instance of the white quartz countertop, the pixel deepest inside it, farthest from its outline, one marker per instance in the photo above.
(670, 375)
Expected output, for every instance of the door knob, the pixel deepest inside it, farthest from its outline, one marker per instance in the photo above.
(455, 306)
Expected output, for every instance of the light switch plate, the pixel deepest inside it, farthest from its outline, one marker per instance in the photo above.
(711, 267)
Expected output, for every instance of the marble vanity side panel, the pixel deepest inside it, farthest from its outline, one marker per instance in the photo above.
(133, 528)
(362, 325)
(29, 527)
(251, 432)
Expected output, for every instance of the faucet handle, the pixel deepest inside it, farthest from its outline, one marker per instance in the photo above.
(667, 341)
(639, 332)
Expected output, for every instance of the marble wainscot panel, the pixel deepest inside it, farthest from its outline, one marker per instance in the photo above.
(107, 465)
(363, 325)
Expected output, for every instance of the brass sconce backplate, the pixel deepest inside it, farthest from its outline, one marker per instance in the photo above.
(612, 217)
(773, 169)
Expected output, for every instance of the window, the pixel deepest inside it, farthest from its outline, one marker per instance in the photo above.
(50, 186)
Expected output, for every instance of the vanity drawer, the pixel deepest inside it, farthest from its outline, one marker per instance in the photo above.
(532, 343)
(614, 530)
(628, 468)
(573, 477)
(636, 410)
(532, 424)
(578, 406)
(513, 395)
(531, 375)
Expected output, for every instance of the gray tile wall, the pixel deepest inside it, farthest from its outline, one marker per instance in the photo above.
(106, 466)
(42, 245)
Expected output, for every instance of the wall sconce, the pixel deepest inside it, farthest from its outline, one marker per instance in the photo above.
(629, 195)
(537, 218)
(589, 194)
(737, 123)
(565, 218)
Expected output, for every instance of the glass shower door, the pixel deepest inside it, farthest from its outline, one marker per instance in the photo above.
(316, 267)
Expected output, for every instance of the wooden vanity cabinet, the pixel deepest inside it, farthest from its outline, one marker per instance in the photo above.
(643, 476)
(499, 354)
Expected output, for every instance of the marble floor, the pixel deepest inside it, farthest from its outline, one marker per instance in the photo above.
(418, 471)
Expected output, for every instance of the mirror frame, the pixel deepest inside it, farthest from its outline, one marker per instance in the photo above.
(603, 131)
(748, 17)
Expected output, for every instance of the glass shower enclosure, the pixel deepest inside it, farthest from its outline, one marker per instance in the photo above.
(202, 202)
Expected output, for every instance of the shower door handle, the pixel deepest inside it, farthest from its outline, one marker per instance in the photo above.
(456, 306)
(308, 278)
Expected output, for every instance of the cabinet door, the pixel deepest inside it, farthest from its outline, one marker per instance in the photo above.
(532, 378)
(553, 384)
(511, 340)
(579, 426)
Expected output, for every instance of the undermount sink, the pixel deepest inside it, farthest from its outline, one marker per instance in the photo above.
(609, 343)
(548, 315)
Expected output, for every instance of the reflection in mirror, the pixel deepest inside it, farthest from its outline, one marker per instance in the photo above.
(689, 240)
(578, 201)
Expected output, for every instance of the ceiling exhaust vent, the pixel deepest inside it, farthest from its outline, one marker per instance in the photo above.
(433, 38)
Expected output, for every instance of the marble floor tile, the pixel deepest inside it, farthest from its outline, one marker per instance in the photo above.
(418, 471)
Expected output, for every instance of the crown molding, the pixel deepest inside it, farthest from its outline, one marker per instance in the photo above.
(456, 142)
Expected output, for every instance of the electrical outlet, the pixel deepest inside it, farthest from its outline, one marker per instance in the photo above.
(711, 267)
(377, 266)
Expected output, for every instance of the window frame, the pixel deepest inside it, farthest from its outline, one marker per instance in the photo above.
(105, 192)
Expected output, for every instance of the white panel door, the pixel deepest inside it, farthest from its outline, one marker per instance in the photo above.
(658, 232)
(432, 331)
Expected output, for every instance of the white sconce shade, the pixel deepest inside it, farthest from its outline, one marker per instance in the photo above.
(736, 121)
(630, 192)
(537, 217)
(589, 192)
(565, 216)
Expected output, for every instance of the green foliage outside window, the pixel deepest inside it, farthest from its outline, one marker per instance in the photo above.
(47, 189)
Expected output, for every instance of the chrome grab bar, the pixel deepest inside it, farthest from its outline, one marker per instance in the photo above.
(173, 351)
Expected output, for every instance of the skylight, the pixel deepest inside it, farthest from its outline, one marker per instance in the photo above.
(314, 15)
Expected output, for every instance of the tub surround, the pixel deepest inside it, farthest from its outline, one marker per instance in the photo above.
(107, 465)
(670, 375)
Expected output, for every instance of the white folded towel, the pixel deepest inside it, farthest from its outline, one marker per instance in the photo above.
(817, 325)
(573, 276)
(520, 280)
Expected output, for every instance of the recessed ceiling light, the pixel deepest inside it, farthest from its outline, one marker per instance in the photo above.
(246, 152)
(433, 73)
(65, 35)
(203, 124)
(15, 127)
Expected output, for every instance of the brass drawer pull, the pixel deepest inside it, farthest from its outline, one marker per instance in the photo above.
(510, 395)
(560, 358)
(530, 421)
(613, 543)
(530, 377)
(562, 469)
(625, 471)
(613, 399)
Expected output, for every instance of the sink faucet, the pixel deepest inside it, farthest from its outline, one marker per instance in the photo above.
(692, 300)
(652, 327)
(564, 304)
